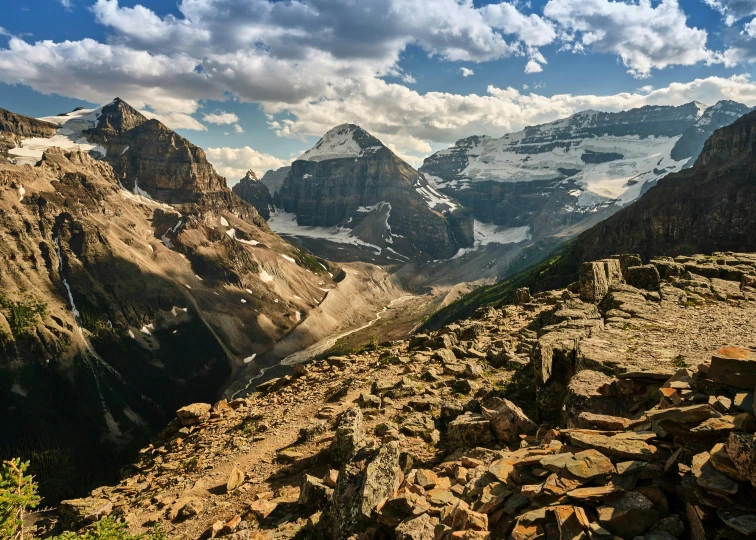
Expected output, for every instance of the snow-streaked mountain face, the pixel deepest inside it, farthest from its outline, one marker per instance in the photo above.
(352, 186)
(554, 175)
(344, 141)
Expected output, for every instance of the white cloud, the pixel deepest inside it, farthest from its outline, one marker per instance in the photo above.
(177, 120)
(409, 121)
(238, 129)
(733, 10)
(221, 118)
(645, 36)
(233, 163)
(66, 4)
(466, 72)
(533, 67)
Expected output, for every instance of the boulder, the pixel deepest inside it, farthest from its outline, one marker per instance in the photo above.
(596, 277)
(416, 528)
(734, 366)
(507, 420)
(313, 493)
(76, 512)
(196, 413)
(644, 277)
(185, 508)
(469, 430)
(363, 483)
(741, 447)
(235, 479)
(522, 296)
(628, 514)
(349, 435)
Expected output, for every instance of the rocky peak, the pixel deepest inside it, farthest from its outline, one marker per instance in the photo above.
(350, 179)
(721, 114)
(155, 159)
(344, 141)
(731, 144)
(252, 190)
(116, 118)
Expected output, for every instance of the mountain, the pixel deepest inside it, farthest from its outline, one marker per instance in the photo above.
(722, 114)
(132, 281)
(710, 207)
(557, 178)
(15, 127)
(274, 179)
(252, 190)
(350, 181)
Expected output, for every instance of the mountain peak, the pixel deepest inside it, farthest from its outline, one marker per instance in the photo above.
(251, 176)
(343, 141)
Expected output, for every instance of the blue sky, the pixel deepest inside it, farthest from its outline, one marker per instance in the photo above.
(256, 82)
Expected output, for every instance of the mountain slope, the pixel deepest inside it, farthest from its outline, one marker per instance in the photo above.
(555, 176)
(121, 306)
(349, 178)
(710, 207)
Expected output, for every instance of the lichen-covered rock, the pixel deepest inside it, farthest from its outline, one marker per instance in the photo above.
(644, 277)
(348, 437)
(469, 430)
(363, 483)
(76, 512)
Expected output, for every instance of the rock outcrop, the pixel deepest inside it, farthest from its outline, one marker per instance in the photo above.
(633, 429)
(15, 127)
(255, 193)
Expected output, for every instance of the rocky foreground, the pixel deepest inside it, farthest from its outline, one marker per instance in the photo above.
(619, 407)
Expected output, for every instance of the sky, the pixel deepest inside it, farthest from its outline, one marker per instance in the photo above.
(258, 82)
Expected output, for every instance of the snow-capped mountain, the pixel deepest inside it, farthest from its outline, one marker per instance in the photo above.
(352, 189)
(555, 175)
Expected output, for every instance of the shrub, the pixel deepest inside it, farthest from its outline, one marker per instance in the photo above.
(110, 529)
(18, 493)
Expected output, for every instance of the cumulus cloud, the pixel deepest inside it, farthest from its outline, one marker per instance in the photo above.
(233, 163)
(466, 72)
(645, 36)
(177, 120)
(410, 121)
(221, 118)
(238, 129)
(66, 4)
(533, 67)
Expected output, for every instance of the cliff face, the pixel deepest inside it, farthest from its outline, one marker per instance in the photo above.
(349, 173)
(155, 159)
(559, 176)
(124, 307)
(14, 127)
(255, 193)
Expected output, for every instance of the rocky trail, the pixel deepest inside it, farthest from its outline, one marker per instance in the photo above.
(621, 406)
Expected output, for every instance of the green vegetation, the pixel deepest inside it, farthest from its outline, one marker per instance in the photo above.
(18, 494)
(679, 361)
(545, 273)
(309, 262)
(370, 345)
(22, 315)
(110, 529)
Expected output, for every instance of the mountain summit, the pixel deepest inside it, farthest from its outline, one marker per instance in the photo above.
(344, 141)
(349, 179)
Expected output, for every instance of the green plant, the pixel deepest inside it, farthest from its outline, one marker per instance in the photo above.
(18, 493)
(110, 529)
(679, 361)
(23, 315)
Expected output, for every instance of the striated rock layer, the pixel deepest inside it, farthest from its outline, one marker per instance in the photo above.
(255, 193)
